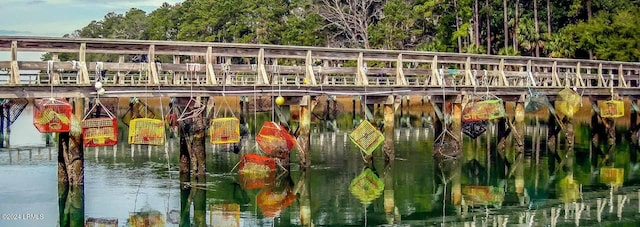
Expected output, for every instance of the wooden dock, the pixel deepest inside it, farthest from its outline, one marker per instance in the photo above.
(182, 69)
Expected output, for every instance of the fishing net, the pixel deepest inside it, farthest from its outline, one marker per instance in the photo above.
(275, 140)
(474, 129)
(568, 102)
(480, 195)
(483, 110)
(224, 130)
(366, 186)
(367, 137)
(535, 102)
(611, 108)
(99, 131)
(612, 176)
(225, 215)
(146, 131)
(52, 115)
(15, 107)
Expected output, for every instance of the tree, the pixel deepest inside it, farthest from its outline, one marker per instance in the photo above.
(395, 27)
(351, 19)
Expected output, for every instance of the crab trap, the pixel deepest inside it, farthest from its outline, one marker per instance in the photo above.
(367, 137)
(224, 130)
(52, 115)
(366, 186)
(568, 102)
(611, 108)
(483, 110)
(146, 131)
(275, 140)
(100, 130)
(474, 129)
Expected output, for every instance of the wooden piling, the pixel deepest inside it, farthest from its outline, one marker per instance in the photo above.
(552, 133)
(389, 194)
(192, 142)
(389, 149)
(632, 135)
(304, 138)
(199, 197)
(456, 122)
(185, 203)
(302, 187)
(519, 127)
(7, 125)
(71, 205)
(1, 125)
(71, 150)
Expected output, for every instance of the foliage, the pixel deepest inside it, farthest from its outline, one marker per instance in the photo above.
(602, 29)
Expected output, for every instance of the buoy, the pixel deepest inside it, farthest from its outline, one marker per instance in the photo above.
(279, 100)
(98, 85)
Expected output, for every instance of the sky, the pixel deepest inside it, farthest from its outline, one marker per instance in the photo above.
(55, 18)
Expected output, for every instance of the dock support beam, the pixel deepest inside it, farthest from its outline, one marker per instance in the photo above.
(1, 125)
(389, 149)
(519, 127)
(632, 135)
(304, 138)
(70, 150)
(192, 143)
(302, 187)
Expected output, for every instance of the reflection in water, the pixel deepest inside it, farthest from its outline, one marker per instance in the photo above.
(542, 185)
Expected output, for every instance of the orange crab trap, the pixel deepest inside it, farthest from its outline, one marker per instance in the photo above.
(366, 137)
(224, 130)
(99, 131)
(275, 140)
(611, 108)
(52, 115)
(146, 131)
(256, 163)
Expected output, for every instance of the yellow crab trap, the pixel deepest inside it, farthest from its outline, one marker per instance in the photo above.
(611, 108)
(366, 186)
(99, 131)
(146, 131)
(612, 176)
(52, 115)
(224, 130)
(568, 102)
(366, 137)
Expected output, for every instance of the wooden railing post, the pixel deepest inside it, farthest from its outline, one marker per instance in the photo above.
(621, 81)
(15, 70)
(400, 79)
(469, 78)
(263, 79)
(554, 75)
(435, 79)
(600, 77)
(503, 76)
(211, 75)
(361, 73)
(309, 75)
(55, 76)
(153, 71)
(578, 80)
(83, 73)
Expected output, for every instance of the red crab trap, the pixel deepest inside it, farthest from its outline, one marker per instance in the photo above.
(99, 127)
(275, 140)
(52, 115)
(366, 137)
